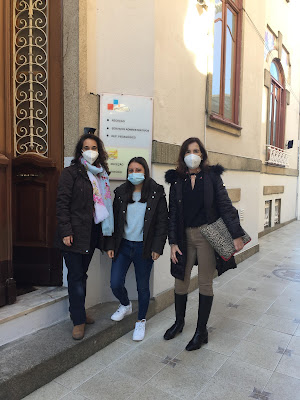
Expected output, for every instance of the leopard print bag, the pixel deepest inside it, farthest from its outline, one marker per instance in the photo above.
(220, 239)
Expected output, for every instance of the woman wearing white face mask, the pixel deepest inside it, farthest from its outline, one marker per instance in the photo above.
(85, 219)
(141, 219)
(197, 197)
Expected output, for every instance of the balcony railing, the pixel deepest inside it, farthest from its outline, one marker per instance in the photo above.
(277, 156)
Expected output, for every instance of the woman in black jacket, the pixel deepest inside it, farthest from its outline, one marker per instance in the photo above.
(197, 197)
(141, 220)
(85, 219)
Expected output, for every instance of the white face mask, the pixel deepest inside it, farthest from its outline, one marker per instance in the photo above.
(192, 161)
(90, 156)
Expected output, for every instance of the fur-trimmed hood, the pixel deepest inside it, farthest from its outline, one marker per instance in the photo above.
(172, 175)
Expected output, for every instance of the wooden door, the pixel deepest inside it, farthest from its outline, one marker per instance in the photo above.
(37, 139)
(7, 284)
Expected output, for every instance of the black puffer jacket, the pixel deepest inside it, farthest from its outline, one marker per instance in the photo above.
(75, 210)
(216, 203)
(155, 221)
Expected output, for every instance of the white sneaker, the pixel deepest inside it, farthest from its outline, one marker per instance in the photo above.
(121, 312)
(139, 330)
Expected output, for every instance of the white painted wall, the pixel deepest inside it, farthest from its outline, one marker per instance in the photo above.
(288, 198)
(120, 36)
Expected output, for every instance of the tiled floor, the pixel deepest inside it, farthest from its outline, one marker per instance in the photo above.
(253, 349)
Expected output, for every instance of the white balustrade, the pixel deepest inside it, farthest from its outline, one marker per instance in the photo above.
(277, 156)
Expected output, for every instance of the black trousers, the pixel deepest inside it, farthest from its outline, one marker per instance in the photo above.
(77, 265)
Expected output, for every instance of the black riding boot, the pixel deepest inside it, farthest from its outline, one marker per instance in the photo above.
(180, 307)
(201, 335)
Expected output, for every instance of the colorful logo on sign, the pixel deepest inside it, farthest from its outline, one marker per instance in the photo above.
(111, 106)
(116, 106)
(112, 154)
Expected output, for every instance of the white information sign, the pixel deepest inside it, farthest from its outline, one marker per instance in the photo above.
(125, 129)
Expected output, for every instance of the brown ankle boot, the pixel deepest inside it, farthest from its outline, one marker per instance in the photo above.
(78, 332)
(89, 320)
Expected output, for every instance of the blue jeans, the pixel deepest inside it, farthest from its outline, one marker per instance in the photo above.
(132, 252)
(78, 265)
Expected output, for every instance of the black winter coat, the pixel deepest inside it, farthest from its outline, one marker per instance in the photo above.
(155, 221)
(75, 210)
(216, 203)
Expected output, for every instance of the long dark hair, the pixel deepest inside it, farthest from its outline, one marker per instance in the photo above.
(146, 184)
(182, 169)
(102, 158)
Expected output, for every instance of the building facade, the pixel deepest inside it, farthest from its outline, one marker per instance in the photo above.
(226, 71)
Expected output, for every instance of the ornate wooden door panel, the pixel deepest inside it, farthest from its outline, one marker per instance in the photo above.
(34, 189)
(7, 284)
(38, 139)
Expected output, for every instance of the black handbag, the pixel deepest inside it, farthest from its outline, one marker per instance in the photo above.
(220, 239)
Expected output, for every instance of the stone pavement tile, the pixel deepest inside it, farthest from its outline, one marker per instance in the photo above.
(232, 327)
(294, 345)
(188, 331)
(221, 342)
(73, 396)
(194, 295)
(127, 339)
(292, 262)
(158, 323)
(220, 390)
(219, 308)
(148, 392)
(51, 391)
(266, 262)
(191, 303)
(79, 374)
(237, 286)
(221, 280)
(225, 298)
(179, 381)
(283, 387)
(297, 333)
(278, 256)
(245, 265)
(254, 274)
(244, 375)
(268, 338)
(233, 273)
(203, 360)
(255, 304)
(254, 354)
(269, 292)
(139, 365)
(292, 289)
(157, 345)
(192, 312)
(266, 268)
(277, 285)
(288, 300)
(289, 365)
(276, 323)
(168, 312)
(108, 384)
(249, 262)
(111, 352)
(243, 314)
(285, 312)
(255, 258)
